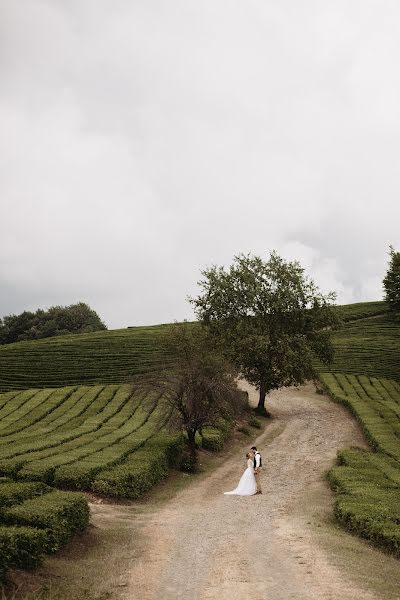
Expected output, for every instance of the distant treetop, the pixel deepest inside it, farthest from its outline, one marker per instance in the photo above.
(391, 282)
(57, 320)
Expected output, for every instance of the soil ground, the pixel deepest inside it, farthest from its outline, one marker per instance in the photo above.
(197, 544)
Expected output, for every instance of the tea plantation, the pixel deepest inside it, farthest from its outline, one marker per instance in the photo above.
(70, 418)
(68, 436)
(87, 358)
(368, 483)
(36, 520)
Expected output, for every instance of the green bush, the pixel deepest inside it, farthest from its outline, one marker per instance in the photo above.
(21, 547)
(254, 422)
(142, 469)
(61, 514)
(212, 439)
(368, 483)
(12, 492)
(244, 430)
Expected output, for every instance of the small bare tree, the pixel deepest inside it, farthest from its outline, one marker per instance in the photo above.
(200, 387)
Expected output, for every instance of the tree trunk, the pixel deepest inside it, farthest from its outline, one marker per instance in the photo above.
(192, 440)
(261, 410)
(261, 399)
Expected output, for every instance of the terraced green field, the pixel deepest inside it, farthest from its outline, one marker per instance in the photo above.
(117, 356)
(89, 358)
(368, 483)
(68, 436)
(36, 520)
(361, 310)
(368, 346)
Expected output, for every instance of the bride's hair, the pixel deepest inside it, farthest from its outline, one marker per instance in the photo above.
(249, 455)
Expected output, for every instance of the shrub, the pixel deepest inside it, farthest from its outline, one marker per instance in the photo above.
(212, 439)
(61, 514)
(254, 422)
(12, 492)
(21, 547)
(142, 469)
(244, 430)
(368, 484)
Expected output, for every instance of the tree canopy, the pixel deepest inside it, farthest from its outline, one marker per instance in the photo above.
(270, 319)
(198, 385)
(57, 320)
(391, 282)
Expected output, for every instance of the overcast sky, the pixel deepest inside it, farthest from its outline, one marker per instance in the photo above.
(144, 140)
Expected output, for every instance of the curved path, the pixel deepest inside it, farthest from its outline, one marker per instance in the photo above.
(281, 545)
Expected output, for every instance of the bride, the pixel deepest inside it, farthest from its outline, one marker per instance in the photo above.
(247, 484)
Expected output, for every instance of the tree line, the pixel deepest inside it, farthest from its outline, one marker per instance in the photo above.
(57, 320)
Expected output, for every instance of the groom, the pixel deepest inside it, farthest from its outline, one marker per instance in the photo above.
(257, 468)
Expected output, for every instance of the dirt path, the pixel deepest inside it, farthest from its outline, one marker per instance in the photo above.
(203, 545)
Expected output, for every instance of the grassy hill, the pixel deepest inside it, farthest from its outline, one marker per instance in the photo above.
(115, 357)
(69, 419)
(68, 436)
(368, 345)
(365, 378)
(89, 358)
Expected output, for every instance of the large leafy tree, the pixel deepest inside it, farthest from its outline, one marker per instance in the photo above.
(270, 319)
(391, 282)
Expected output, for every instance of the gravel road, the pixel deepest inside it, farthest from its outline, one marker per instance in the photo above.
(281, 545)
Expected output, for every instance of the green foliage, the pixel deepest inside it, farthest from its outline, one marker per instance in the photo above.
(84, 359)
(369, 346)
(88, 438)
(21, 547)
(57, 320)
(13, 492)
(106, 357)
(376, 405)
(61, 514)
(142, 469)
(200, 388)
(360, 310)
(36, 520)
(367, 483)
(391, 282)
(254, 422)
(269, 318)
(213, 439)
(245, 430)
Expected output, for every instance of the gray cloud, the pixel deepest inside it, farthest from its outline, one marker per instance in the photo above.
(144, 141)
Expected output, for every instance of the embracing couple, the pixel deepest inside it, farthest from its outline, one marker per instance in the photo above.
(249, 483)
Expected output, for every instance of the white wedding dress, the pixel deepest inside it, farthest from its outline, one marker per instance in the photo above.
(247, 484)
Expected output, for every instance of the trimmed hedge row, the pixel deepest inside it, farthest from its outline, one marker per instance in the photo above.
(88, 358)
(369, 346)
(214, 438)
(368, 483)
(368, 501)
(60, 514)
(36, 520)
(21, 547)
(15, 492)
(142, 469)
(373, 408)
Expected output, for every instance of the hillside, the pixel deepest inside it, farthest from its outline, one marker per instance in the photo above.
(113, 357)
(365, 378)
(89, 358)
(72, 436)
(368, 346)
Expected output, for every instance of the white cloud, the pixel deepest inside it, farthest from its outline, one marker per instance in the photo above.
(143, 141)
